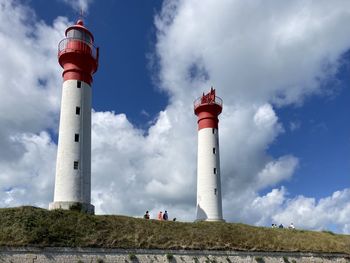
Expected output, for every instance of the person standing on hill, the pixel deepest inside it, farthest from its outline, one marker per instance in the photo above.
(146, 216)
(160, 215)
(165, 216)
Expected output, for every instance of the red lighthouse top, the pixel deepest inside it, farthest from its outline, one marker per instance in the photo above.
(77, 54)
(208, 108)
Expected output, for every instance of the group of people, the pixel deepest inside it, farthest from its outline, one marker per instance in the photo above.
(291, 226)
(161, 216)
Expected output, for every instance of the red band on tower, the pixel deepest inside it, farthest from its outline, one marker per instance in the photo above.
(208, 108)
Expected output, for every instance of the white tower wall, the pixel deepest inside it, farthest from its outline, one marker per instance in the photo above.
(73, 181)
(209, 203)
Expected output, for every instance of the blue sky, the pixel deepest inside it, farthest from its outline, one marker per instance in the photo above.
(321, 141)
(281, 68)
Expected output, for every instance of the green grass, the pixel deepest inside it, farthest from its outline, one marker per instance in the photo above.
(29, 226)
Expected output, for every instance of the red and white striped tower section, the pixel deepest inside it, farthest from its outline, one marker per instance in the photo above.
(209, 203)
(79, 59)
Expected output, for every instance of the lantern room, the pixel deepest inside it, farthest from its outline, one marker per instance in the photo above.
(77, 54)
(78, 31)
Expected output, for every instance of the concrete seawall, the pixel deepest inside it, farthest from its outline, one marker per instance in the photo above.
(98, 255)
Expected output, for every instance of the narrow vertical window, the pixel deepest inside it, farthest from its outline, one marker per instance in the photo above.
(213, 130)
(215, 191)
(79, 84)
(76, 165)
(76, 137)
(214, 170)
(77, 110)
(214, 150)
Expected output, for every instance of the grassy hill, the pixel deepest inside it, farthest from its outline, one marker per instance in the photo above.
(29, 226)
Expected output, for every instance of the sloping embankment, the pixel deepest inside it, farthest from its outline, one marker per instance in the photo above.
(34, 227)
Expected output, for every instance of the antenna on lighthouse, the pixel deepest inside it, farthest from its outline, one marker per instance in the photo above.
(81, 14)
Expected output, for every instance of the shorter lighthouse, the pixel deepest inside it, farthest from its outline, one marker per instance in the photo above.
(209, 202)
(78, 57)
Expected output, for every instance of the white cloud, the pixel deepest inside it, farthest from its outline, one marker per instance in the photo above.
(326, 213)
(277, 171)
(265, 206)
(29, 104)
(28, 179)
(79, 5)
(256, 52)
(258, 55)
(134, 172)
(24, 81)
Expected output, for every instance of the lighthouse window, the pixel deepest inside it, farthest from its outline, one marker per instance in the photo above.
(87, 38)
(213, 130)
(70, 33)
(76, 165)
(75, 34)
(215, 191)
(76, 137)
(78, 34)
(77, 110)
(79, 84)
(214, 150)
(214, 170)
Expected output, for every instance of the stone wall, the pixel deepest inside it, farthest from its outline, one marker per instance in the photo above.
(92, 255)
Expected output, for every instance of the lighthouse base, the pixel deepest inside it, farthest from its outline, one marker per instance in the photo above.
(77, 206)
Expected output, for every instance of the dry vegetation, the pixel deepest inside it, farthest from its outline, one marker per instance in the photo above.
(29, 226)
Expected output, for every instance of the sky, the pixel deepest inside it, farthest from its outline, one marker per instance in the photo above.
(281, 68)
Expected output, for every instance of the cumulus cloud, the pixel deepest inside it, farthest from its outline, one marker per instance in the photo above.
(259, 56)
(26, 151)
(27, 180)
(277, 171)
(135, 172)
(24, 81)
(329, 213)
(256, 52)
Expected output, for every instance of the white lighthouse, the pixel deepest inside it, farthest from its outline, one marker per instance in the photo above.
(79, 59)
(209, 203)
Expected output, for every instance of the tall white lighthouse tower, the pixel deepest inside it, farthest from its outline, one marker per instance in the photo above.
(209, 203)
(79, 59)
